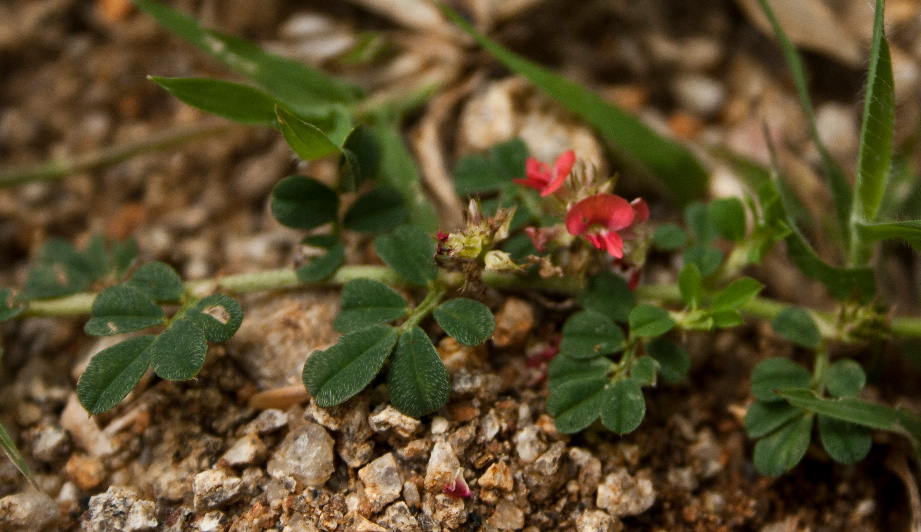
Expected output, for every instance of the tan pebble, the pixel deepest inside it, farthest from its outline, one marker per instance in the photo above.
(114, 10)
(498, 476)
(85, 471)
(463, 411)
(514, 322)
(684, 126)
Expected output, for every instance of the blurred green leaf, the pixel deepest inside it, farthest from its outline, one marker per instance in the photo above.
(409, 251)
(908, 231)
(690, 285)
(178, 353)
(781, 450)
(562, 370)
(338, 373)
(735, 295)
(845, 442)
(763, 417)
(322, 267)
(158, 280)
(697, 218)
(9, 308)
(307, 141)
(678, 169)
(843, 283)
(114, 372)
(623, 408)
(796, 324)
(669, 237)
(724, 319)
(590, 334)
(706, 259)
(576, 404)
(119, 309)
(467, 321)
(360, 159)
(674, 361)
(650, 320)
(643, 370)
(377, 211)
(772, 374)
(233, 101)
(15, 456)
(217, 315)
(728, 217)
(418, 382)
(609, 295)
(304, 203)
(845, 378)
(484, 173)
(367, 302)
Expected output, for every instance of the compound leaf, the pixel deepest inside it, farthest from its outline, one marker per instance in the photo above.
(112, 373)
(418, 381)
(467, 321)
(338, 373)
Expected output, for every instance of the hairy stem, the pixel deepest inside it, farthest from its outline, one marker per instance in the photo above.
(60, 168)
(286, 279)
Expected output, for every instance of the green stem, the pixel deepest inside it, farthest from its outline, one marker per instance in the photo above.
(60, 168)
(285, 279)
(820, 367)
(424, 308)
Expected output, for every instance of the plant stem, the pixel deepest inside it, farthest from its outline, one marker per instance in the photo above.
(286, 279)
(60, 168)
(424, 308)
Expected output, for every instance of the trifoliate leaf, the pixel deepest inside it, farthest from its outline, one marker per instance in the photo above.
(669, 237)
(467, 321)
(418, 381)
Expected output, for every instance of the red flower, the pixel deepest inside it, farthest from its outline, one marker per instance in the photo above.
(599, 218)
(539, 176)
(457, 488)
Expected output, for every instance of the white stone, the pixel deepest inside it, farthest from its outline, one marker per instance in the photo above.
(27, 511)
(389, 418)
(620, 494)
(383, 480)
(120, 509)
(245, 451)
(305, 454)
(442, 467)
(214, 489)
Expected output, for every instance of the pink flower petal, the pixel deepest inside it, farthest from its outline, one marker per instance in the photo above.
(607, 210)
(458, 489)
(613, 244)
(640, 210)
(561, 170)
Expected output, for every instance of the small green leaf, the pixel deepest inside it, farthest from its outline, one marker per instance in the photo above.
(9, 308)
(643, 370)
(780, 451)
(763, 418)
(377, 211)
(845, 378)
(728, 217)
(772, 374)
(120, 309)
(112, 373)
(623, 408)
(669, 237)
(562, 370)
(877, 129)
(796, 324)
(576, 404)
(697, 218)
(360, 159)
(123, 254)
(15, 456)
(467, 321)
(735, 295)
(61, 269)
(178, 352)
(846, 443)
(338, 373)
(233, 101)
(608, 294)
(674, 361)
(418, 381)
(158, 280)
(322, 267)
(650, 320)
(706, 259)
(724, 319)
(691, 286)
(307, 141)
(484, 173)
(304, 203)
(366, 302)
(589, 334)
(218, 316)
(409, 251)
(677, 167)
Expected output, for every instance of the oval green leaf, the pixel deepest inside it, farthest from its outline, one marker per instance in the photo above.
(624, 407)
(707, 259)
(728, 217)
(588, 334)
(338, 373)
(576, 404)
(797, 325)
(322, 267)
(467, 321)
(366, 302)
(178, 352)
(233, 101)
(776, 374)
(780, 451)
(691, 285)
(304, 203)
(735, 295)
(608, 294)
(669, 237)
(157, 280)
(409, 251)
(643, 371)
(120, 309)
(846, 443)
(763, 418)
(307, 141)
(562, 370)
(360, 158)
(418, 381)
(845, 378)
(112, 373)
(218, 316)
(377, 211)
(674, 361)
(650, 320)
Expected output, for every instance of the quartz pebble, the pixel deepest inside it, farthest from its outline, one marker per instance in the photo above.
(247, 450)
(28, 511)
(497, 476)
(442, 467)
(390, 419)
(214, 521)
(84, 431)
(305, 454)
(507, 516)
(398, 518)
(527, 445)
(267, 421)
(621, 494)
(120, 509)
(49, 443)
(215, 489)
(595, 521)
(383, 481)
(447, 511)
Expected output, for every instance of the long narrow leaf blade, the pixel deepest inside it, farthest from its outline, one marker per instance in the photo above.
(908, 231)
(233, 101)
(877, 129)
(291, 82)
(678, 169)
(9, 447)
(840, 189)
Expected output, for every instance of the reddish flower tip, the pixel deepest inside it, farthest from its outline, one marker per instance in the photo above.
(541, 179)
(598, 218)
(457, 488)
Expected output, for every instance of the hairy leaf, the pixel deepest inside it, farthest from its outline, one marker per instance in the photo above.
(608, 294)
(576, 404)
(218, 316)
(643, 370)
(589, 334)
(120, 309)
(366, 302)
(418, 381)
(304, 203)
(322, 267)
(623, 408)
(674, 361)
(845, 378)
(377, 211)
(908, 231)
(112, 373)
(467, 321)
(781, 450)
(409, 251)
(158, 280)
(774, 374)
(562, 370)
(178, 352)
(338, 373)
(845, 442)
(360, 159)
(763, 418)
